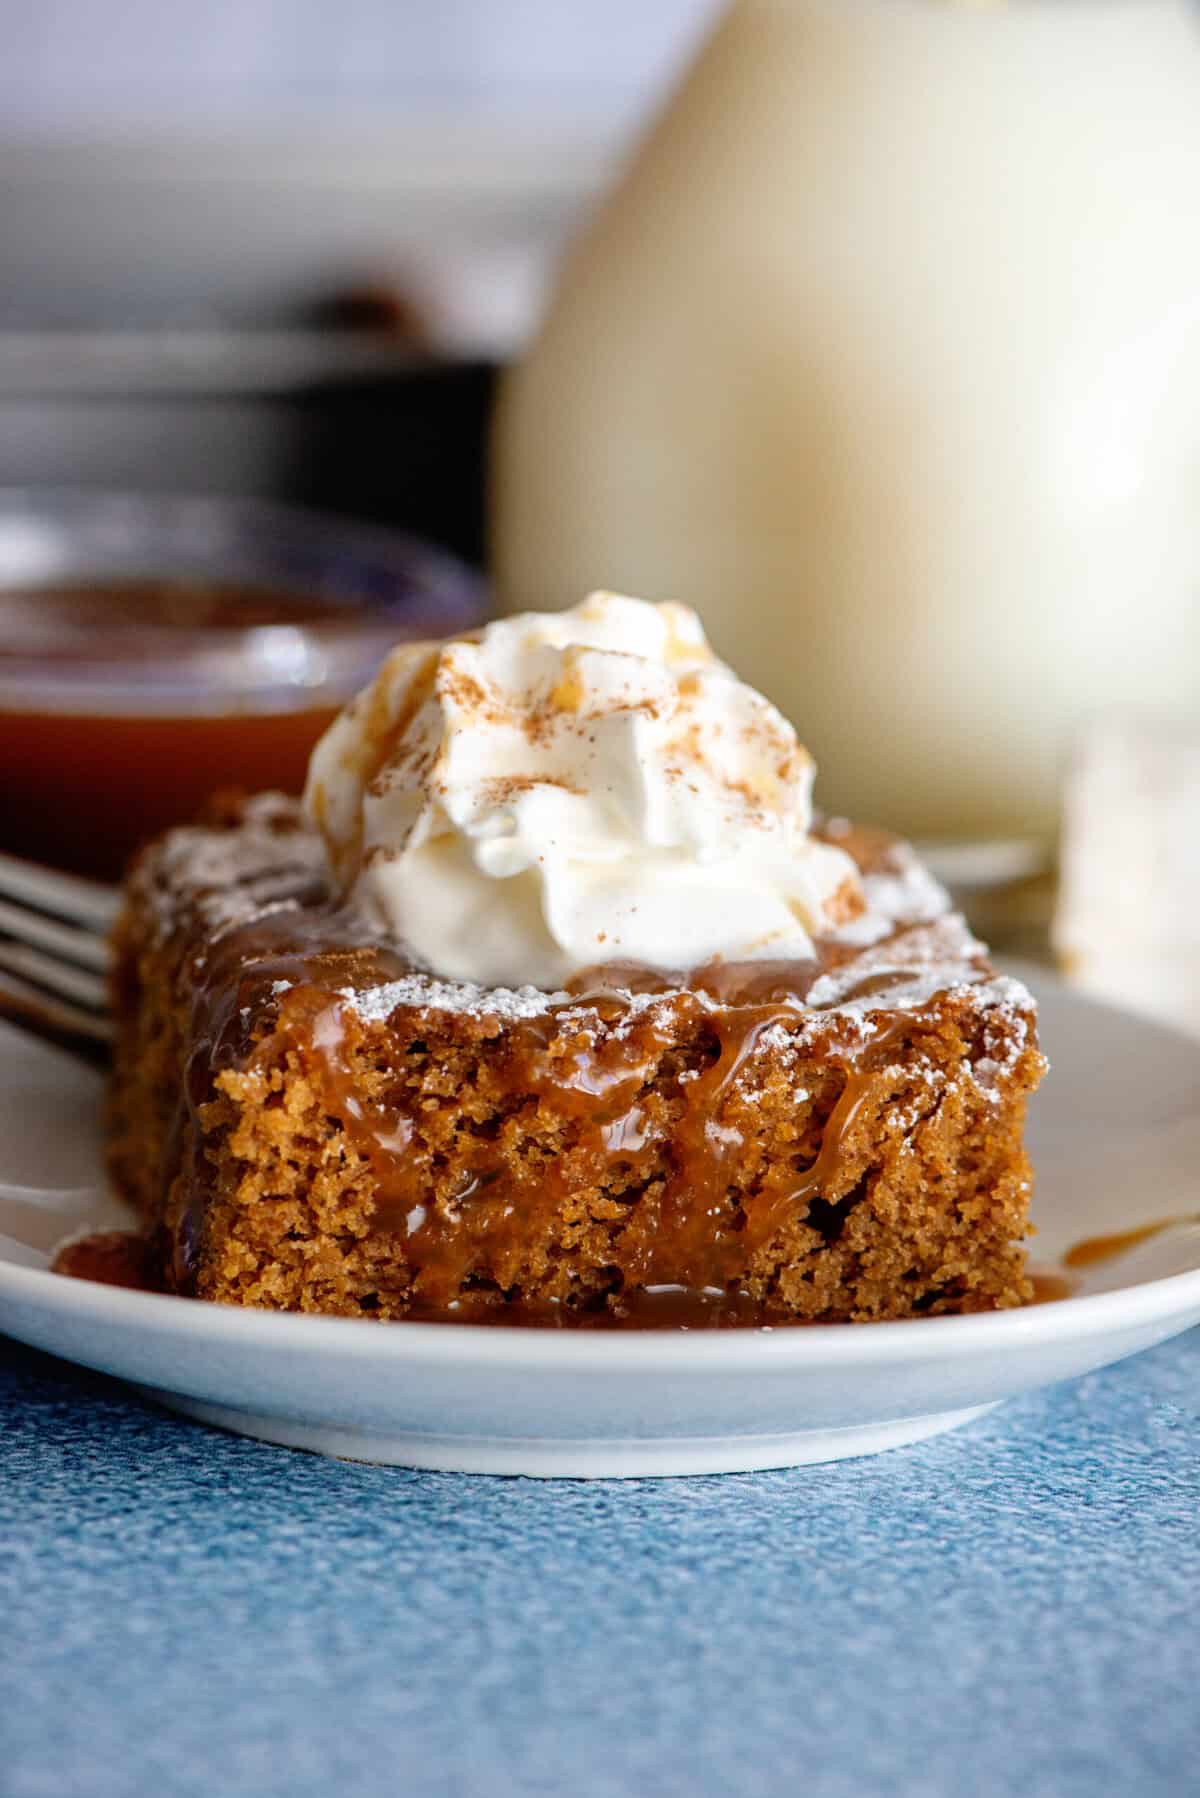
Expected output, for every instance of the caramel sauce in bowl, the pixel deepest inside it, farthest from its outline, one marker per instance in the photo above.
(153, 649)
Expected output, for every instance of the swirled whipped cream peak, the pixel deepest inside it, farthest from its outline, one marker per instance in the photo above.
(574, 788)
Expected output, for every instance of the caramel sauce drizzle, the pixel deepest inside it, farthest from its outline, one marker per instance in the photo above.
(687, 1229)
(1094, 1250)
(1049, 1285)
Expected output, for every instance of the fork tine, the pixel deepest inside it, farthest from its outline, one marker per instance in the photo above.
(85, 902)
(83, 947)
(54, 976)
(54, 1020)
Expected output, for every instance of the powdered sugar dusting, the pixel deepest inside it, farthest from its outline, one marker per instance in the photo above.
(906, 970)
(909, 986)
(1006, 1036)
(632, 1004)
(232, 876)
(900, 892)
(910, 947)
(510, 1004)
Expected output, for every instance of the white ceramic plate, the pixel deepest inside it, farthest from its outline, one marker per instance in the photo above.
(1116, 1141)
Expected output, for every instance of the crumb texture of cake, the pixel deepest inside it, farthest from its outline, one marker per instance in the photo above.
(308, 1122)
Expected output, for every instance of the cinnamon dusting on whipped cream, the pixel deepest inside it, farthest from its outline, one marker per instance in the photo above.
(504, 804)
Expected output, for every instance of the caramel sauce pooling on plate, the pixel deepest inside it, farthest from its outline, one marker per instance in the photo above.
(1094, 1250)
(111, 1258)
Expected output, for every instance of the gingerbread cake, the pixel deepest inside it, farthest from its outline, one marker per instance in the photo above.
(306, 1122)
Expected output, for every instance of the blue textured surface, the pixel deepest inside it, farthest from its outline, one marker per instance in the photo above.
(1011, 1609)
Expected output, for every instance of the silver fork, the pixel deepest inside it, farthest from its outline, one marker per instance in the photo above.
(55, 956)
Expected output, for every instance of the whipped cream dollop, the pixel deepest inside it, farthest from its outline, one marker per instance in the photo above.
(574, 788)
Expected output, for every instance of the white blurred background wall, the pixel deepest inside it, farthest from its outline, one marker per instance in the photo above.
(193, 164)
(69, 65)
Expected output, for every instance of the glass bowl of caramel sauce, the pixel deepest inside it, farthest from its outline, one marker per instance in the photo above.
(155, 649)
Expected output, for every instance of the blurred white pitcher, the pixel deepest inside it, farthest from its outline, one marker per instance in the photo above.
(885, 354)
